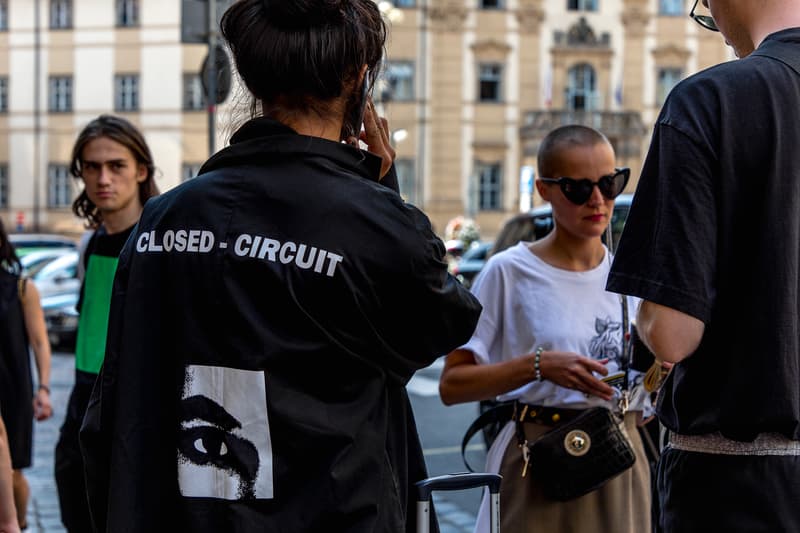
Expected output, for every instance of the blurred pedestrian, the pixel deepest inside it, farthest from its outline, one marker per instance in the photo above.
(112, 159)
(712, 245)
(21, 327)
(261, 336)
(8, 512)
(547, 335)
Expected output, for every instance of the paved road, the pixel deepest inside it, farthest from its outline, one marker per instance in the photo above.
(441, 429)
(43, 510)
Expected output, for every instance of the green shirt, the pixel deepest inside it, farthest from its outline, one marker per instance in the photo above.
(90, 347)
(103, 254)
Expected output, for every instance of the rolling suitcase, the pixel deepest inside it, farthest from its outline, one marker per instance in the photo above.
(449, 482)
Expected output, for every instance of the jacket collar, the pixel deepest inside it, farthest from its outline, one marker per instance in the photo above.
(260, 139)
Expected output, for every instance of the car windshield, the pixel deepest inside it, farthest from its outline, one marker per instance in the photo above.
(66, 267)
(35, 261)
(27, 243)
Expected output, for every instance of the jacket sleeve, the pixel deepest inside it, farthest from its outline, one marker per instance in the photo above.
(422, 312)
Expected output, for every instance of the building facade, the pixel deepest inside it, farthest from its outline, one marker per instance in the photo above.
(474, 85)
(63, 63)
(470, 88)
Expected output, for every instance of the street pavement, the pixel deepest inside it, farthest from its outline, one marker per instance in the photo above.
(43, 509)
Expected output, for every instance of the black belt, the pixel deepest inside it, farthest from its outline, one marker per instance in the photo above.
(547, 416)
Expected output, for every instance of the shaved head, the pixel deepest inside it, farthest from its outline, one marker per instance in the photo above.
(547, 159)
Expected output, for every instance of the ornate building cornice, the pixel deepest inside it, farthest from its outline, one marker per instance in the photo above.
(448, 15)
(490, 49)
(671, 54)
(530, 15)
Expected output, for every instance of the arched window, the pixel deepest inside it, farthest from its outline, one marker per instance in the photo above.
(581, 88)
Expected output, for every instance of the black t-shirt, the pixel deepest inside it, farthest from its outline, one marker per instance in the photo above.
(714, 232)
(104, 244)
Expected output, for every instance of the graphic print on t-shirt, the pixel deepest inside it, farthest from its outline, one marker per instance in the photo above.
(608, 341)
(224, 446)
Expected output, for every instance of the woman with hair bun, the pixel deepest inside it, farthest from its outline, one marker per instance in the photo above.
(260, 342)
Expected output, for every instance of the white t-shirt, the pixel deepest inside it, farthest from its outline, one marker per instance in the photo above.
(528, 303)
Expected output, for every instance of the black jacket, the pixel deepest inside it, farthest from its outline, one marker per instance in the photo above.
(266, 318)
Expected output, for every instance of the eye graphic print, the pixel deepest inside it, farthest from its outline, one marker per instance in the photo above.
(224, 448)
(207, 439)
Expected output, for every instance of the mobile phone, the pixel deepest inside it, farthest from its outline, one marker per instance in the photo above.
(355, 119)
(615, 379)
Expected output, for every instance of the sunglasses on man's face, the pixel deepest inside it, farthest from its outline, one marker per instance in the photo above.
(579, 191)
(704, 20)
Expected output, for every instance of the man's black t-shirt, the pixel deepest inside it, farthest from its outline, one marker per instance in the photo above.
(714, 232)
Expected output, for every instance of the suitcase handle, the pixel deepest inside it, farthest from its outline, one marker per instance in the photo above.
(461, 481)
(465, 480)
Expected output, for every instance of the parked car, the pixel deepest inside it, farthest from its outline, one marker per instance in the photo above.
(33, 262)
(61, 319)
(25, 243)
(472, 262)
(59, 276)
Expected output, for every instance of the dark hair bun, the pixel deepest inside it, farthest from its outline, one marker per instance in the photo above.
(303, 13)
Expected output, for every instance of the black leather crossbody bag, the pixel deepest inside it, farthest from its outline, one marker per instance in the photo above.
(580, 455)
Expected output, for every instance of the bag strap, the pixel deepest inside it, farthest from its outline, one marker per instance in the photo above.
(777, 51)
(22, 283)
(503, 411)
(627, 352)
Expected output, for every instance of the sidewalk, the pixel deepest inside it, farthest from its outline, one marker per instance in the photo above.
(43, 511)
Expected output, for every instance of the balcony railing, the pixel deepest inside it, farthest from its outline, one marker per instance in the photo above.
(626, 126)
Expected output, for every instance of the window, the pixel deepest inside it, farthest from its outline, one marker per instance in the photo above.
(406, 179)
(490, 78)
(582, 5)
(190, 170)
(127, 13)
(3, 94)
(194, 97)
(60, 14)
(667, 79)
(60, 94)
(126, 92)
(59, 186)
(3, 15)
(400, 78)
(670, 7)
(489, 185)
(4, 185)
(490, 4)
(581, 94)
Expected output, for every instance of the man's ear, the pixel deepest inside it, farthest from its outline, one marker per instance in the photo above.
(141, 173)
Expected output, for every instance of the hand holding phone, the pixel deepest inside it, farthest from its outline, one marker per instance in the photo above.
(376, 137)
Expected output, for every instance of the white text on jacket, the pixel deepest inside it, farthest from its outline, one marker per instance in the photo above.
(255, 246)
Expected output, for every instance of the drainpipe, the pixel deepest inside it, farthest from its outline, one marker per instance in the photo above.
(37, 123)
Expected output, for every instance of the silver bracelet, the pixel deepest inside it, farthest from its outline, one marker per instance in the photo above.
(536, 363)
